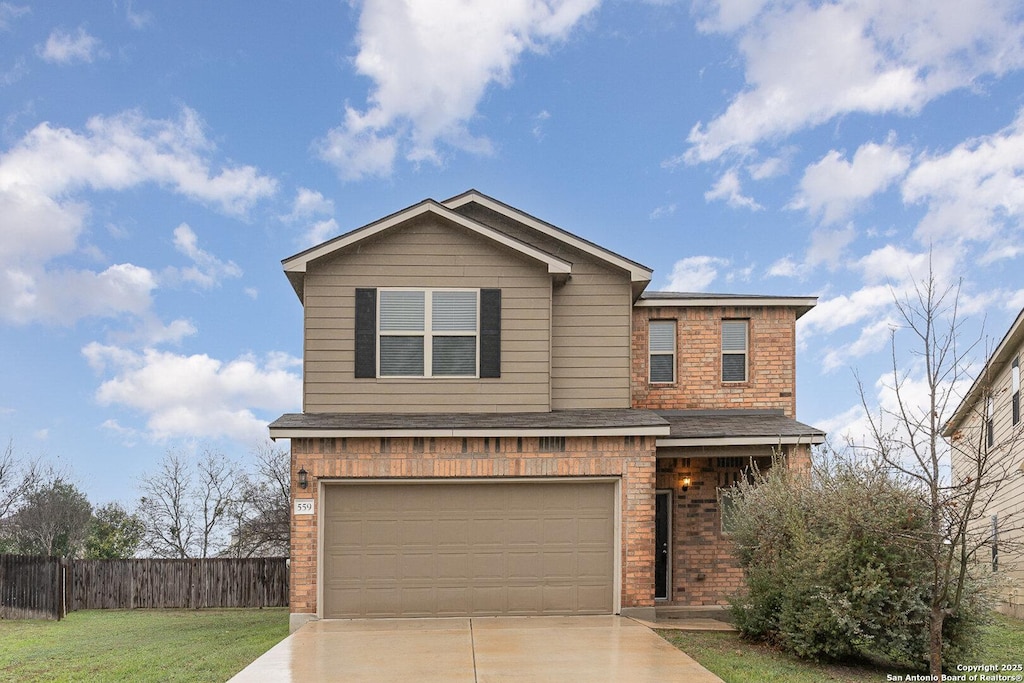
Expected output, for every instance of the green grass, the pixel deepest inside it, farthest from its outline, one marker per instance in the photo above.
(139, 645)
(736, 660)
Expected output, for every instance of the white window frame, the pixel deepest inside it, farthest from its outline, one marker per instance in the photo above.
(428, 333)
(732, 352)
(651, 353)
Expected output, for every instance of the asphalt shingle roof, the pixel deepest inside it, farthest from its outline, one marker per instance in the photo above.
(683, 424)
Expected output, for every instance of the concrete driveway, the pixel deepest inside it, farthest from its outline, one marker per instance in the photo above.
(477, 650)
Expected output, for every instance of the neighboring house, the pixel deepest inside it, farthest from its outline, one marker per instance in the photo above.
(498, 419)
(987, 424)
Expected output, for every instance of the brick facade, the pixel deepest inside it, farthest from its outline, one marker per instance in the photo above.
(631, 459)
(703, 568)
(771, 361)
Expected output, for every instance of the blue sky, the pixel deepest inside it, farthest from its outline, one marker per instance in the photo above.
(158, 160)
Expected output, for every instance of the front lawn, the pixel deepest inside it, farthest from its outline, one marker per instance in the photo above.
(139, 645)
(735, 660)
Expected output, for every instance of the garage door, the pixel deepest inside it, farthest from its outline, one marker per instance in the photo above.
(472, 549)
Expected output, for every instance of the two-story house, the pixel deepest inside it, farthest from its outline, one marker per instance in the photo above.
(499, 419)
(987, 427)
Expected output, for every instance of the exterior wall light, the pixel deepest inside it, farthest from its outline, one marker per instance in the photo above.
(303, 478)
(685, 483)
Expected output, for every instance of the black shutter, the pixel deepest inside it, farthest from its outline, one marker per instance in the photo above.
(366, 333)
(490, 333)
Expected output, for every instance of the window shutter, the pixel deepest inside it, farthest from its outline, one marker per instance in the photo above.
(490, 333)
(366, 333)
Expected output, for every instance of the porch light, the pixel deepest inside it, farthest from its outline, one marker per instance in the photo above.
(303, 478)
(685, 483)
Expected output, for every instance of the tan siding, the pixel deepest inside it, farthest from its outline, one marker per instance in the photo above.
(1008, 503)
(591, 319)
(591, 323)
(427, 252)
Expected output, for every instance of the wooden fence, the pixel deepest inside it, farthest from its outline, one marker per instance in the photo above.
(47, 587)
(189, 583)
(33, 587)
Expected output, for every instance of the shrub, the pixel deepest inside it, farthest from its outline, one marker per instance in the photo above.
(834, 566)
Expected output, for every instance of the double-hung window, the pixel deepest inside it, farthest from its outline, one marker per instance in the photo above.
(734, 350)
(662, 347)
(420, 332)
(990, 421)
(1015, 380)
(428, 333)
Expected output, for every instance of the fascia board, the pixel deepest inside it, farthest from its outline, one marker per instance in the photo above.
(808, 302)
(814, 439)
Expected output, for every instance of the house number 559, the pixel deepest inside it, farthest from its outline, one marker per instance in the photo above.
(304, 506)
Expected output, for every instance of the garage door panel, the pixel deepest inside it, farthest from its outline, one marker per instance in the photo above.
(468, 549)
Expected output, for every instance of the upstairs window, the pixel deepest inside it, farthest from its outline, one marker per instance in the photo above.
(662, 350)
(428, 333)
(990, 426)
(734, 350)
(1015, 398)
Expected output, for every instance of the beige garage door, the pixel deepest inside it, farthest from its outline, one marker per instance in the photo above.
(402, 550)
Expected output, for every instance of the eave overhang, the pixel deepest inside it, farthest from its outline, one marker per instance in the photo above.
(802, 304)
(1003, 354)
(594, 422)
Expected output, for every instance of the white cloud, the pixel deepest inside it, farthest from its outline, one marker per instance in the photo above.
(194, 395)
(207, 270)
(662, 211)
(695, 273)
(9, 12)
(64, 48)
(784, 267)
(44, 179)
(431, 64)
(538, 124)
(873, 337)
(63, 296)
(806, 63)
(843, 310)
(309, 203)
(975, 192)
(834, 187)
(728, 190)
(321, 231)
(828, 246)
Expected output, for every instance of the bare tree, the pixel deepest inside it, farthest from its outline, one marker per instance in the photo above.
(185, 505)
(261, 515)
(17, 479)
(907, 439)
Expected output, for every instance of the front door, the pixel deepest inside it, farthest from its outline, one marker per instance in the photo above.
(662, 544)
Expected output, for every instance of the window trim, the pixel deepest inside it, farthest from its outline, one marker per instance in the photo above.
(428, 333)
(672, 353)
(745, 352)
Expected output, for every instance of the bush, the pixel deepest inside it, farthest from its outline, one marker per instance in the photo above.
(835, 569)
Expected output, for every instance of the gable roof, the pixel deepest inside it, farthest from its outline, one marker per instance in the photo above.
(295, 266)
(639, 274)
(1012, 341)
(802, 304)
